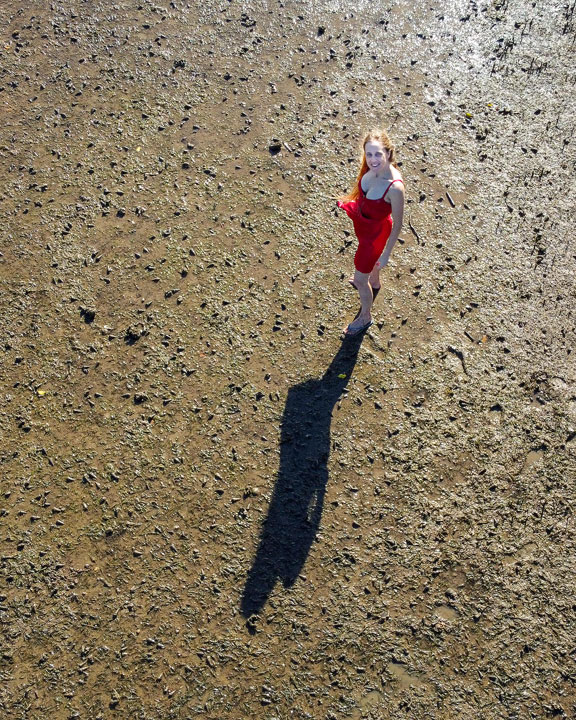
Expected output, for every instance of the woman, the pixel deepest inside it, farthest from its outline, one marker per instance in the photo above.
(376, 207)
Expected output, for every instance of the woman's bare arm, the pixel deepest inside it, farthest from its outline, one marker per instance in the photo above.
(396, 199)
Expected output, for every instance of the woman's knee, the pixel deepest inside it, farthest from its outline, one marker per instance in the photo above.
(361, 278)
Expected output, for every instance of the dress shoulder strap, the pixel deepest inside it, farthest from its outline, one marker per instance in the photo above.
(389, 186)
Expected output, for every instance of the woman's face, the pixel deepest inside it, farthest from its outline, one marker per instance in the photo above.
(376, 155)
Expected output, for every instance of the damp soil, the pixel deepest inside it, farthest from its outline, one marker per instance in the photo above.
(212, 505)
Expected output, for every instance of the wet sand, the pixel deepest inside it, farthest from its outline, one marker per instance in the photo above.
(214, 507)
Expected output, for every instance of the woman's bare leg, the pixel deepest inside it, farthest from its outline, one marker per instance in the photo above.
(374, 279)
(365, 292)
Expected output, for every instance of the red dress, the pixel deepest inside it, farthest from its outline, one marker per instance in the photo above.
(372, 224)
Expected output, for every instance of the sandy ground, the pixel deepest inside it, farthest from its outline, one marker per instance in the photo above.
(213, 507)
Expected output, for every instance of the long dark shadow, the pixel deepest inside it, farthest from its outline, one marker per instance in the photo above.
(296, 506)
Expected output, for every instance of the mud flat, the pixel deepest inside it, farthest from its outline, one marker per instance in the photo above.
(213, 507)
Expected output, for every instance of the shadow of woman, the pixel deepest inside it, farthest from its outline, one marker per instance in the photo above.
(296, 505)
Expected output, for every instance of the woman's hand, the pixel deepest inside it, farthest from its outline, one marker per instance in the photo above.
(381, 262)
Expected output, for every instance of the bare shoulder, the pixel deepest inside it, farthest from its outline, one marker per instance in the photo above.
(397, 188)
(396, 198)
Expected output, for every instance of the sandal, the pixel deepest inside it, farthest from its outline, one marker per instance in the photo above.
(356, 331)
